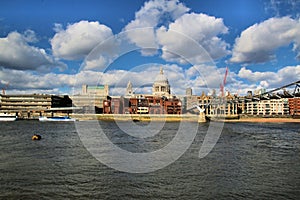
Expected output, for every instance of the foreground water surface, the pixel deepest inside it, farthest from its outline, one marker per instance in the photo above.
(249, 161)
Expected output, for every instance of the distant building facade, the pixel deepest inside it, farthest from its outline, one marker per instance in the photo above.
(99, 90)
(142, 105)
(91, 98)
(267, 108)
(160, 102)
(189, 92)
(294, 106)
(34, 105)
(129, 91)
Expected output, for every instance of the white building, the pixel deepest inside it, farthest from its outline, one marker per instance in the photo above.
(161, 86)
(268, 107)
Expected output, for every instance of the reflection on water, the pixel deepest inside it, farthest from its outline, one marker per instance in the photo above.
(250, 160)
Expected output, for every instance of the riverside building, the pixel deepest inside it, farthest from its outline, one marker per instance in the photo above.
(34, 105)
(91, 98)
(159, 102)
(268, 108)
(294, 106)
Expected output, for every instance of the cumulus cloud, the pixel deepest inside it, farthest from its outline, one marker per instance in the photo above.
(27, 81)
(280, 8)
(105, 53)
(141, 77)
(78, 39)
(269, 79)
(152, 15)
(168, 26)
(198, 29)
(96, 63)
(258, 42)
(249, 80)
(255, 76)
(17, 53)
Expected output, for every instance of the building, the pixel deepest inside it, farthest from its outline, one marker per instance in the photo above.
(99, 90)
(189, 92)
(35, 105)
(160, 102)
(91, 98)
(142, 105)
(268, 108)
(217, 106)
(161, 86)
(129, 91)
(294, 106)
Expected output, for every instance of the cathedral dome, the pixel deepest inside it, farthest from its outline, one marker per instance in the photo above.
(161, 78)
(161, 85)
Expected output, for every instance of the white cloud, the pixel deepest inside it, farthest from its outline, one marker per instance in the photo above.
(200, 78)
(269, 79)
(58, 27)
(51, 83)
(168, 26)
(30, 36)
(158, 11)
(255, 76)
(26, 80)
(78, 39)
(259, 42)
(152, 15)
(145, 39)
(280, 8)
(105, 53)
(199, 31)
(16, 53)
(243, 81)
(142, 78)
(96, 63)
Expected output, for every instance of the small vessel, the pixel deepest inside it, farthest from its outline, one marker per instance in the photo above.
(63, 119)
(36, 137)
(7, 117)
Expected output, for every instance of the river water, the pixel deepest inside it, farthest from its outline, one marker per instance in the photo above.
(249, 161)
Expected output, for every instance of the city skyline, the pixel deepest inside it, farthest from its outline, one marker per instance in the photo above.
(46, 45)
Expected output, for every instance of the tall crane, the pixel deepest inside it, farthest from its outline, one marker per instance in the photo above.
(4, 88)
(222, 85)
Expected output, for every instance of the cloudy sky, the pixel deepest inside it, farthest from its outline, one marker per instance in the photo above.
(49, 46)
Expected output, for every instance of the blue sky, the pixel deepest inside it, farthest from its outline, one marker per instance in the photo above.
(55, 46)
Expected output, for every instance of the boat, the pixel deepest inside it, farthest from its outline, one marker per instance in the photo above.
(36, 137)
(8, 117)
(63, 119)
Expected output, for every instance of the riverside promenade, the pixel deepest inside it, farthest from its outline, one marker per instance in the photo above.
(178, 118)
(136, 117)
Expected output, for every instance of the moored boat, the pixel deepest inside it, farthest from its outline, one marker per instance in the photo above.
(64, 119)
(7, 117)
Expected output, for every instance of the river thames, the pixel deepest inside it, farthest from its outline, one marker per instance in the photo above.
(249, 161)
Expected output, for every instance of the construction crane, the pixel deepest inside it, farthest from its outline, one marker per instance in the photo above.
(4, 88)
(222, 85)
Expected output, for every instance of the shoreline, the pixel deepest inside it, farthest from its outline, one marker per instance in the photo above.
(177, 118)
(265, 120)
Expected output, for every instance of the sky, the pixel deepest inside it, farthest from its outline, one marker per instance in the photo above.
(53, 47)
